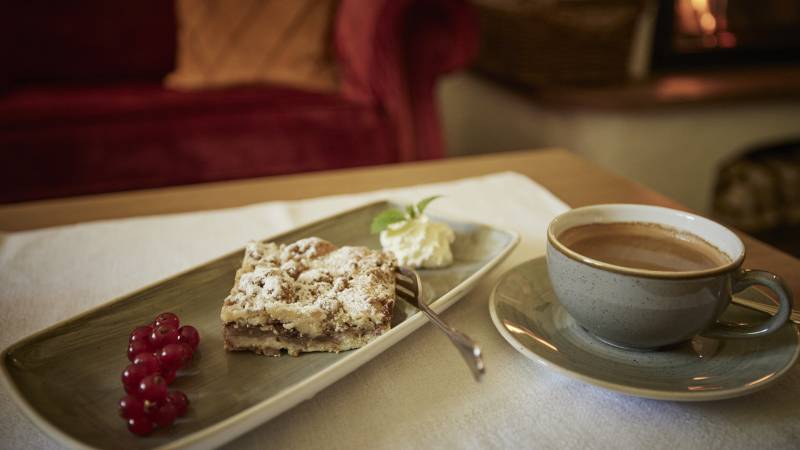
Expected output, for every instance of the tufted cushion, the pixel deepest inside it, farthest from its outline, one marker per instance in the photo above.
(222, 43)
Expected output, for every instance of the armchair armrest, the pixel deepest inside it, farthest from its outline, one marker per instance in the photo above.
(392, 52)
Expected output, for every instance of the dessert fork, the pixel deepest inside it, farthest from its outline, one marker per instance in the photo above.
(409, 288)
(794, 315)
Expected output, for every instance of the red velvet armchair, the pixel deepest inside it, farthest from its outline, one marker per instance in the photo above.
(83, 110)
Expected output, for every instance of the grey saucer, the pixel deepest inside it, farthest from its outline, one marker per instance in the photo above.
(526, 312)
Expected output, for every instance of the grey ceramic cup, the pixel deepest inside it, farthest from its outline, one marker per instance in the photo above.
(646, 309)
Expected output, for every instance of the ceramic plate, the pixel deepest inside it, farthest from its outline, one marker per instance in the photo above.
(525, 311)
(67, 378)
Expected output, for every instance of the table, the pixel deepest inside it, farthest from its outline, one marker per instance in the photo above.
(425, 396)
(575, 180)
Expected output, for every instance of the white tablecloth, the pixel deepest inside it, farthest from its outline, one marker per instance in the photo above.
(419, 393)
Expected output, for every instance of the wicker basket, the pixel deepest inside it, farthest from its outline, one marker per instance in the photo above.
(557, 42)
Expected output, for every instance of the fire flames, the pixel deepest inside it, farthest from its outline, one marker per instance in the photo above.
(705, 20)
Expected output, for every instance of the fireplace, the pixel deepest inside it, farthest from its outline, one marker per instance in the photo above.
(693, 33)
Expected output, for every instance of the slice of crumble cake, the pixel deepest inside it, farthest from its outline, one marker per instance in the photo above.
(308, 296)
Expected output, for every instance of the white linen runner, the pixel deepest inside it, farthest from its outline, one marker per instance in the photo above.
(417, 394)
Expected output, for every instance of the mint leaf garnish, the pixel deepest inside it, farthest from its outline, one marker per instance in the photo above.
(410, 212)
(390, 216)
(386, 218)
(424, 203)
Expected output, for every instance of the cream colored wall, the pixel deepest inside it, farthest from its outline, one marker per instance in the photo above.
(674, 150)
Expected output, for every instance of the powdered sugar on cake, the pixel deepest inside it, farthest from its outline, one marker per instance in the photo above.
(312, 289)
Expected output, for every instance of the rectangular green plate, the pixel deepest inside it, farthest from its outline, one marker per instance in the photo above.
(67, 377)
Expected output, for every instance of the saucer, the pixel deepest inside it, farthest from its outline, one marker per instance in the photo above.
(525, 310)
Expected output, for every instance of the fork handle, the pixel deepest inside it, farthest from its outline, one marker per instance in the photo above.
(794, 316)
(466, 346)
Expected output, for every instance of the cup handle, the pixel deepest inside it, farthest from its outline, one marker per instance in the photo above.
(744, 279)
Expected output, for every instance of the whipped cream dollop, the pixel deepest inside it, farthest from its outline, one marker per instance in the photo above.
(419, 242)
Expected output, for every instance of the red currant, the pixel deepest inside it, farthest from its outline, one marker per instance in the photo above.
(132, 376)
(163, 335)
(157, 351)
(140, 333)
(169, 375)
(150, 409)
(188, 334)
(149, 361)
(179, 401)
(168, 319)
(172, 356)
(130, 407)
(136, 347)
(165, 415)
(153, 388)
(188, 352)
(140, 425)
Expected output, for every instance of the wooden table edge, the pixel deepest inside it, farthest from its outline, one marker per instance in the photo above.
(576, 181)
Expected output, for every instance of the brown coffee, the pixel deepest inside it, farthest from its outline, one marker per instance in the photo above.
(641, 245)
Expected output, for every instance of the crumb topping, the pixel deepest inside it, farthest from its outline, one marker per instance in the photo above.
(313, 287)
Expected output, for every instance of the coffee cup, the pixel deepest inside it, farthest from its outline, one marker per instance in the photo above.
(645, 277)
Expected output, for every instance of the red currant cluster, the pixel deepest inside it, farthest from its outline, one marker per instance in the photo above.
(157, 351)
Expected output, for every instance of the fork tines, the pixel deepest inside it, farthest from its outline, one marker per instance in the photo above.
(406, 286)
